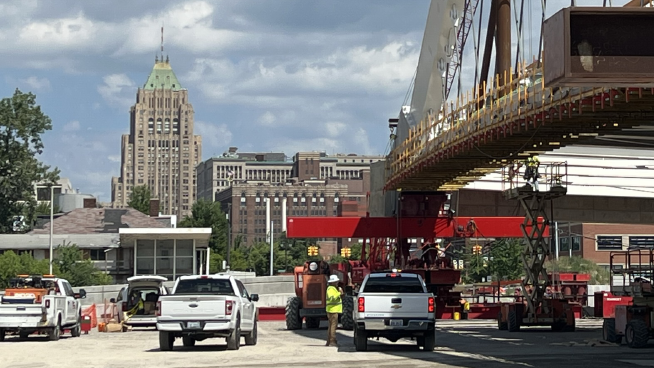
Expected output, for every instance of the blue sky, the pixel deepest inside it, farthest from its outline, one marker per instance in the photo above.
(284, 75)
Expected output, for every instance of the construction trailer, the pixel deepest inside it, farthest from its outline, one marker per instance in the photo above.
(422, 216)
(631, 298)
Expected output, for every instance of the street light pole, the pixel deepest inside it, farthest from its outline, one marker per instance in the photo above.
(52, 188)
(51, 223)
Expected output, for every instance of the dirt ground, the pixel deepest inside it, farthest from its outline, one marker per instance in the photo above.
(459, 344)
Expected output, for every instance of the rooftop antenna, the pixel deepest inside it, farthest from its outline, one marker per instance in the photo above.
(162, 43)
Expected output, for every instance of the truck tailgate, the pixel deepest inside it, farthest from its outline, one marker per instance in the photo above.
(182, 307)
(15, 315)
(397, 306)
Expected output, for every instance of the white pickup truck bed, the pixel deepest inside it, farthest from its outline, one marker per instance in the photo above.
(394, 305)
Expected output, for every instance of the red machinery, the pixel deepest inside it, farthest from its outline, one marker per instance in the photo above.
(628, 309)
(421, 216)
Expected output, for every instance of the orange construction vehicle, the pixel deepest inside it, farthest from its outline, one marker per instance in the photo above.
(310, 293)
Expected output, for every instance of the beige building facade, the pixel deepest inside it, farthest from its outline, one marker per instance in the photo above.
(160, 150)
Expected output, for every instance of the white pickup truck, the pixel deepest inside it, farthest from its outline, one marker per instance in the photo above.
(40, 304)
(394, 305)
(206, 306)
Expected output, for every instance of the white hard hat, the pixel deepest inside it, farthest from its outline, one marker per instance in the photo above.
(333, 278)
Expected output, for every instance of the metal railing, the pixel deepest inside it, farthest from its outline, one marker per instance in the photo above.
(522, 97)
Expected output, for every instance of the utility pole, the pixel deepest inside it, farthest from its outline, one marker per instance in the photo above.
(229, 234)
(271, 248)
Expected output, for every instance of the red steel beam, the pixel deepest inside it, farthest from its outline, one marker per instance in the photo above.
(386, 227)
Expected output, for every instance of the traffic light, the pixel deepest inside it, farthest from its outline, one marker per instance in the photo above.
(313, 250)
(346, 252)
(476, 249)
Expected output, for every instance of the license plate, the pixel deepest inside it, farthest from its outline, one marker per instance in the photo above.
(195, 325)
(395, 322)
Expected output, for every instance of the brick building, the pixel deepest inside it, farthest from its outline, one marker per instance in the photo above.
(311, 184)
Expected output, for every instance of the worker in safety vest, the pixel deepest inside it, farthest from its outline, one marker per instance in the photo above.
(334, 308)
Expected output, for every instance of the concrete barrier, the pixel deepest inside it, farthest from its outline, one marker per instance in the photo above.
(273, 290)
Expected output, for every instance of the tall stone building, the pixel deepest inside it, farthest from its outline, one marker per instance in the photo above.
(160, 150)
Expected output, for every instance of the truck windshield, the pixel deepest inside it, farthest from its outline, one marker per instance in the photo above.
(204, 286)
(393, 285)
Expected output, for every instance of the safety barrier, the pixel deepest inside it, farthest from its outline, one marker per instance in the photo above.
(91, 312)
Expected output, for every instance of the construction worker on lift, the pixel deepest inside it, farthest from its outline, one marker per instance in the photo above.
(531, 171)
(334, 307)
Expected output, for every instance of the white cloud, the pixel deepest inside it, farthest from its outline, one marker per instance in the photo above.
(118, 90)
(114, 158)
(267, 119)
(72, 126)
(215, 137)
(37, 84)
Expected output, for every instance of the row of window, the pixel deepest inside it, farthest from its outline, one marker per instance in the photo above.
(605, 242)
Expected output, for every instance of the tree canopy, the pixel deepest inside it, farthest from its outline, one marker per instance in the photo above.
(598, 274)
(72, 266)
(140, 199)
(500, 259)
(21, 125)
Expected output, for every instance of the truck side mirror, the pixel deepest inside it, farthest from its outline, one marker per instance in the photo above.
(254, 297)
(81, 294)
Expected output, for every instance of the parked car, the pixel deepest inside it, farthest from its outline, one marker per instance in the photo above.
(144, 289)
(207, 306)
(40, 303)
(394, 305)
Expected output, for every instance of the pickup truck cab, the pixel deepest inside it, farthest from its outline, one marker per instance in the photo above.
(394, 305)
(40, 304)
(206, 306)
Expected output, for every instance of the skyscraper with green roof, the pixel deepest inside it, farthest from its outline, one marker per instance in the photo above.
(160, 150)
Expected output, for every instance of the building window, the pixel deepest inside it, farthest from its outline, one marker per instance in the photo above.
(576, 243)
(609, 242)
(641, 241)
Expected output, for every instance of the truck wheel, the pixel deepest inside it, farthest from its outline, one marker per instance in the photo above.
(293, 320)
(347, 318)
(500, 324)
(55, 332)
(166, 340)
(360, 339)
(637, 333)
(23, 335)
(2, 334)
(429, 341)
(608, 331)
(251, 337)
(76, 331)
(313, 322)
(234, 339)
(188, 341)
(512, 321)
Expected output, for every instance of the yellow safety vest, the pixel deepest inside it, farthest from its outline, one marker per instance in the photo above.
(334, 304)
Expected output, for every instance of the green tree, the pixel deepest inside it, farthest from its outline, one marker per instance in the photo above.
(77, 270)
(505, 260)
(208, 214)
(12, 264)
(140, 199)
(43, 208)
(598, 274)
(21, 125)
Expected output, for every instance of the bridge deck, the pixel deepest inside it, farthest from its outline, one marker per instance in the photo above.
(465, 143)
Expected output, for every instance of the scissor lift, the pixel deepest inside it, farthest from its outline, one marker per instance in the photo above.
(536, 309)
